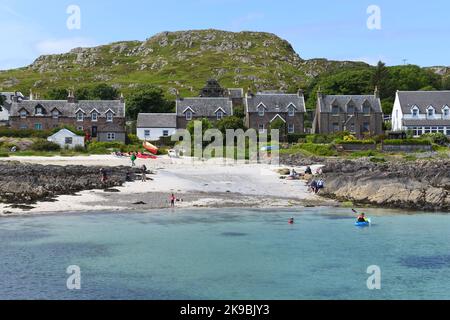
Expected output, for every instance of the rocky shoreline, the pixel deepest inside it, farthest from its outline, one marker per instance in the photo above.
(420, 185)
(29, 183)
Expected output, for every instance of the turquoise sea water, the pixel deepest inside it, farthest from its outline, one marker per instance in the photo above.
(225, 254)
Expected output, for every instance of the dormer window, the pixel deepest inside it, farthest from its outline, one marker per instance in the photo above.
(94, 117)
(351, 108)
(80, 116)
(335, 109)
(415, 112)
(39, 111)
(261, 111)
(430, 112)
(291, 112)
(446, 112)
(188, 115)
(366, 108)
(219, 115)
(109, 117)
(55, 114)
(23, 114)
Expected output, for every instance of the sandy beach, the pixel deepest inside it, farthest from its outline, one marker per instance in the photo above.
(195, 184)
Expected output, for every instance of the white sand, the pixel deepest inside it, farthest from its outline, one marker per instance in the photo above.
(180, 176)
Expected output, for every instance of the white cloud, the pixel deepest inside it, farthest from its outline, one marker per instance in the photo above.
(56, 46)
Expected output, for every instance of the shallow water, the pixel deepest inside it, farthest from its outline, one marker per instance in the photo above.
(225, 254)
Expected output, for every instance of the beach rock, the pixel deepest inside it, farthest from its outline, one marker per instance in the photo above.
(28, 183)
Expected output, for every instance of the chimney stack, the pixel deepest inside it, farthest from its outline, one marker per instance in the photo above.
(31, 95)
(71, 97)
(377, 92)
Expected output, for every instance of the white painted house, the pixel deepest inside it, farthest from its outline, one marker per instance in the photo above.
(422, 112)
(67, 139)
(153, 126)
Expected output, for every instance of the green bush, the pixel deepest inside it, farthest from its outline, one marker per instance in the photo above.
(323, 150)
(4, 155)
(80, 149)
(295, 137)
(339, 141)
(325, 138)
(45, 146)
(133, 139)
(364, 154)
(437, 138)
(399, 142)
(11, 133)
(105, 145)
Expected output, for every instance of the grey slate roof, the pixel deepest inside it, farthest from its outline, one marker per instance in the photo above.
(9, 98)
(327, 101)
(157, 120)
(427, 123)
(204, 107)
(275, 102)
(69, 109)
(423, 99)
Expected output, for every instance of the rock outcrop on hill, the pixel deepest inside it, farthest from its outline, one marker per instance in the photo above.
(26, 183)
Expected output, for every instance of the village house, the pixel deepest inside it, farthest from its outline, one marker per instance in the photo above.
(360, 115)
(214, 104)
(67, 139)
(153, 126)
(103, 121)
(263, 108)
(422, 112)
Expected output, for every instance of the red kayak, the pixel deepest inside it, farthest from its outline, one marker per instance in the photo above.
(150, 148)
(146, 156)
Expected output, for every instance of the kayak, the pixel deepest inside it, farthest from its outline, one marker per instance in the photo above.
(364, 224)
(270, 148)
(150, 148)
(146, 156)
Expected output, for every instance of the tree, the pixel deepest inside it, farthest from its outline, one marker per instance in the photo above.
(280, 125)
(230, 123)
(446, 83)
(206, 125)
(57, 94)
(2, 100)
(104, 92)
(147, 99)
(380, 77)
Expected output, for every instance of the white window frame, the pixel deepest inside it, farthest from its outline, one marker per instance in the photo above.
(41, 113)
(413, 112)
(80, 116)
(55, 114)
(166, 133)
(261, 128)
(109, 117)
(219, 115)
(188, 115)
(446, 109)
(23, 114)
(111, 136)
(261, 111)
(94, 116)
(80, 128)
(291, 128)
(433, 111)
(145, 133)
(291, 112)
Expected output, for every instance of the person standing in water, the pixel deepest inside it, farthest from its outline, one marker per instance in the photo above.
(144, 173)
(133, 159)
(104, 176)
(172, 200)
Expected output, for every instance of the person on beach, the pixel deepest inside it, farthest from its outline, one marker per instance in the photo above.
(308, 170)
(144, 173)
(133, 159)
(172, 200)
(104, 175)
(320, 185)
(313, 186)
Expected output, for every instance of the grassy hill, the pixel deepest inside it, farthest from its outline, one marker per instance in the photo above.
(177, 60)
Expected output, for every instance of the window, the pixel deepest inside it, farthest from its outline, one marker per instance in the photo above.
(261, 111)
(351, 108)
(38, 126)
(39, 111)
(415, 131)
(147, 133)
(80, 116)
(80, 128)
(261, 128)
(55, 114)
(94, 116)
(219, 115)
(441, 130)
(427, 130)
(291, 112)
(165, 133)
(291, 128)
(335, 110)
(69, 140)
(366, 108)
(434, 129)
(109, 117)
(415, 112)
(336, 127)
(352, 127)
(430, 112)
(23, 114)
(111, 136)
(24, 127)
(189, 115)
(366, 127)
(446, 112)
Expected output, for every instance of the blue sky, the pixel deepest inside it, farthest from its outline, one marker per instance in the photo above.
(336, 29)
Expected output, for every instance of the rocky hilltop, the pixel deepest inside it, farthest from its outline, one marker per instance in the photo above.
(420, 185)
(177, 60)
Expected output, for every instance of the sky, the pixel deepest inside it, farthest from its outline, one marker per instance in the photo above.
(396, 32)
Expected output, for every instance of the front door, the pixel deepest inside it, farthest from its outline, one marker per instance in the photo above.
(94, 132)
